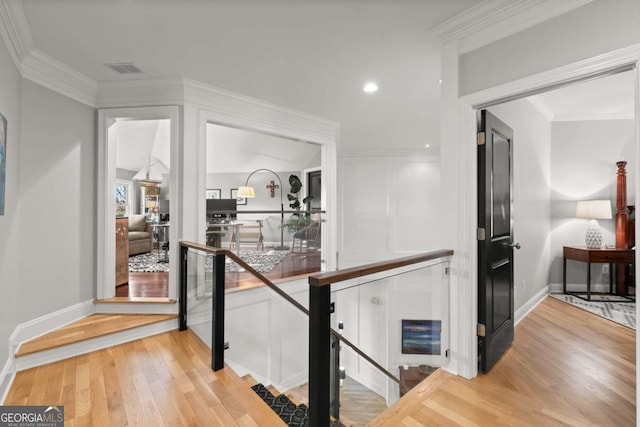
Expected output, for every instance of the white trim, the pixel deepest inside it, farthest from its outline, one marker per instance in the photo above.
(15, 31)
(592, 117)
(7, 376)
(579, 287)
(50, 322)
(207, 104)
(105, 280)
(233, 109)
(540, 106)
(83, 347)
(135, 308)
(141, 92)
(493, 20)
(53, 74)
(425, 153)
(567, 73)
(528, 306)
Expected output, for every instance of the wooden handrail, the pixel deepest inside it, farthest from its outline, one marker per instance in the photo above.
(325, 279)
(204, 248)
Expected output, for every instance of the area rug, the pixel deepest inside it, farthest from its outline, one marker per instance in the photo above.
(262, 262)
(147, 263)
(622, 313)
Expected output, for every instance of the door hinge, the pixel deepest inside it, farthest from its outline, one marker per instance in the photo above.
(481, 138)
(481, 330)
(481, 234)
(446, 271)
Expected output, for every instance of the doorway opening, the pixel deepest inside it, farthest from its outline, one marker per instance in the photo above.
(137, 183)
(273, 227)
(567, 141)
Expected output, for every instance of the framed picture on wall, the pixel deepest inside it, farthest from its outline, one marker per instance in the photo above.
(239, 200)
(213, 193)
(421, 336)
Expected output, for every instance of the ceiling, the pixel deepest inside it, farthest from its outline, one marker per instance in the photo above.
(312, 56)
(610, 97)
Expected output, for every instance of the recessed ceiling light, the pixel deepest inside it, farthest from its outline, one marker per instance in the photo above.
(370, 87)
(427, 145)
(440, 81)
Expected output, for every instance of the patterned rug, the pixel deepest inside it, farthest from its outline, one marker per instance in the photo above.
(622, 313)
(262, 262)
(293, 415)
(148, 263)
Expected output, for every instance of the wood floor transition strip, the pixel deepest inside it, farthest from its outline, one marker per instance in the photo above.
(94, 326)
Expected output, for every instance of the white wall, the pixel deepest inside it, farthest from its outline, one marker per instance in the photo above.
(531, 196)
(389, 205)
(593, 29)
(583, 167)
(58, 199)
(10, 238)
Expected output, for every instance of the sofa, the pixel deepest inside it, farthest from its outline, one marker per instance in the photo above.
(140, 235)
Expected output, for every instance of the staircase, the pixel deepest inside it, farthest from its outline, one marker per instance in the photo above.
(89, 334)
(286, 406)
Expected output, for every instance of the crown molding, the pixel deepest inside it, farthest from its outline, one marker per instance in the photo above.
(541, 107)
(35, 65)
(15, 31)
(493, 20)
(239, 110)
(53, 74)
(592, 117)
(141, 92)
(418, 155)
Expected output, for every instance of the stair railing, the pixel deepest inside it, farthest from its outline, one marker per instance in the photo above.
(320, 348)
(323, 400)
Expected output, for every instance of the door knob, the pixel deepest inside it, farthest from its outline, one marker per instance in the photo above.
(515, 245)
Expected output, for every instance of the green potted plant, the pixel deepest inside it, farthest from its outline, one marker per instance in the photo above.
(296, 221)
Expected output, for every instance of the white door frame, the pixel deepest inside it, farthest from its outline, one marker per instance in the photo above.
(105, 280)
(459, 162)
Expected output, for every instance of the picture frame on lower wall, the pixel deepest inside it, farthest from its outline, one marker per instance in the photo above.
(239, 200)
(213, 193)
(421, 336)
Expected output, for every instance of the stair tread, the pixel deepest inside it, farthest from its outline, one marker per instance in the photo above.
(93, 326)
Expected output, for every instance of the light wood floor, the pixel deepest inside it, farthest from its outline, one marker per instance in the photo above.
(164, 380)
(566, 367)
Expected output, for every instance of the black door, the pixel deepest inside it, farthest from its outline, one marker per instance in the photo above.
(495, 240)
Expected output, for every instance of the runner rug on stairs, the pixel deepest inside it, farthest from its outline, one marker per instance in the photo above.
(293, 415)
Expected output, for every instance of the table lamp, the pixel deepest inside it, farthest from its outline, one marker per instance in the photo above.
(593, 210)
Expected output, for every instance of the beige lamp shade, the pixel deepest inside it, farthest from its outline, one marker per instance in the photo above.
(247, 192)
(594, 209)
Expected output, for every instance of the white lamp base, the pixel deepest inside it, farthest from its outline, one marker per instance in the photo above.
(593, 238)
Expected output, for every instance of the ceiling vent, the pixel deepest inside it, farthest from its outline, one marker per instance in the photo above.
(124, 68)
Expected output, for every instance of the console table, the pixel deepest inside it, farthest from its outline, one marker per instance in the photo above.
(611, 256)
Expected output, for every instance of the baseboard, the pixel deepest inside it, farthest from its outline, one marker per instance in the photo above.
(526, 308)
(580, 287)
(98, 343)
(136, 308)
(50, 322)
(6, 378)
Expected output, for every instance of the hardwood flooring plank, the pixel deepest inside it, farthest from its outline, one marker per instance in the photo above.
(93, 326)
(565, 367)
